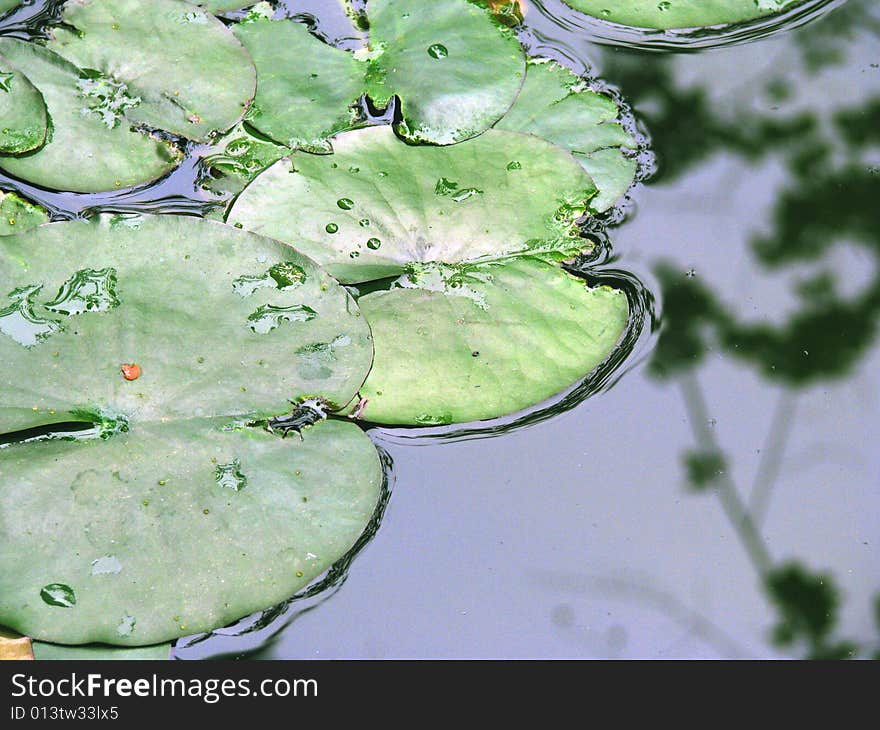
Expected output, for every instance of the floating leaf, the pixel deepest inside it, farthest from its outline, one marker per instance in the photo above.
(22, 111)
(417, 204)
(150, 329)
(80, 300)
(669, 14)
(84, 154)
(180, 68)
(558, 106)
(98, 652)
(456, 70)
(485, 340)
(194, 554)
(17, 215)
(306, 86)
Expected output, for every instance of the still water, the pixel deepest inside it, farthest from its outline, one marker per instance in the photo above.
(717, 494)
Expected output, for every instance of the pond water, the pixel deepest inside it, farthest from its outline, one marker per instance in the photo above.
(752, 254)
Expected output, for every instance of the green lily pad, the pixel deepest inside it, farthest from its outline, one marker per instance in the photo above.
(475, 342)
(680, 13)
(474, 232)
(378, 205)
(17, 215)
(456, 71)
(557, 105)
(169, 335)
(219, 321)
(167, 64)
(174, 528)
(306, 87)
(98, 652)
(22, 112)
(87, 151)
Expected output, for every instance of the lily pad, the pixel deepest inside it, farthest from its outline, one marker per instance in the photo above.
(169, 335)
(87, 151)
(673, 14)
(217, 321)
(306, 87)
(189, 551)
(456, 71)
(166, 64)
(557, 105)
(378, 204)
(22, 112)
(482, 321)
(475, 342)
(97, 652)
(17, 215)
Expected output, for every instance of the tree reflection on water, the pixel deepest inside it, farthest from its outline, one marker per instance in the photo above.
(829, 198)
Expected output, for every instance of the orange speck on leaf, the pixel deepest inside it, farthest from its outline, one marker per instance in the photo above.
(131, 371)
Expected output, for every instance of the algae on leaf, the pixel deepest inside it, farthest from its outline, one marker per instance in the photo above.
(87, 151)
(673, 14)
(23, 123)
(181, 68)
(556, 105)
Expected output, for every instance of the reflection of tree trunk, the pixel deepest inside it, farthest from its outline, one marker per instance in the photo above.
(772, 455)
(14, 646)
(731, 502)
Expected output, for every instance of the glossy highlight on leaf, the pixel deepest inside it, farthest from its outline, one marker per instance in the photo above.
(306, 87)
(458, 203)
(456, 71)
(670, 14)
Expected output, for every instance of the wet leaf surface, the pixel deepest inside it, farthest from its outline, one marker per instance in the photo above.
(455, 69)
(180, 68)
(87, 152)
(378, 204)
(18, 215)
(214, 318)
(189, 553)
